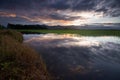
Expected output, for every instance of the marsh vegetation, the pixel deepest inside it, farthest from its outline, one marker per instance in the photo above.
(18, 61)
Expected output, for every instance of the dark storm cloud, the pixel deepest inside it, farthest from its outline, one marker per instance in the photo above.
(107, 6)
(84, 5)
(63, 17)
(14, 4)
(49, 8)
(79, 5)
(59, 4)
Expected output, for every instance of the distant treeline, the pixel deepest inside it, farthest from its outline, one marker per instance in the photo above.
(19, 26)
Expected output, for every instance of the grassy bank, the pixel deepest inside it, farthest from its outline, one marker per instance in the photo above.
(80, 32)
(18, 61)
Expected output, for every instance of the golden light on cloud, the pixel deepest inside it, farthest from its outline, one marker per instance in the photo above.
(48, 21)
(86, 17)
(65, 18)
(78, 22)
(89, 15)
(5, 14)
(57, 22)
(81, 18)
(60, 12)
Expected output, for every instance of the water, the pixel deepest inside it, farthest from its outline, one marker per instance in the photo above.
(74, 57)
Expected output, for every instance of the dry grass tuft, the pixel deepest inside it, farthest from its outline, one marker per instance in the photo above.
(13, 34)
(18, 61)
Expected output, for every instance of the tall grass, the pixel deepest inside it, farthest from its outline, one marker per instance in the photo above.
(18, 61)
(13, 34)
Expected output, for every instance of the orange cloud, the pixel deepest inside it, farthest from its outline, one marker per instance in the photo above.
(48, 20)
(5, 14)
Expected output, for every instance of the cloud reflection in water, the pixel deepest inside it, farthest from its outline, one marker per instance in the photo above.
(74, 57)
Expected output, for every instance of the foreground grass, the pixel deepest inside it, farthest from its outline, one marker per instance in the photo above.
(18, 61)
(80, 32)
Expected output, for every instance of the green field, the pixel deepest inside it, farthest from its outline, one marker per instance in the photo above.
(80, 32)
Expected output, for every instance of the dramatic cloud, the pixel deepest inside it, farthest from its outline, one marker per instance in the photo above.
(71, 12)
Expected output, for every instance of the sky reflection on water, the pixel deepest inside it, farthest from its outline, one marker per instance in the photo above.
(74, 57)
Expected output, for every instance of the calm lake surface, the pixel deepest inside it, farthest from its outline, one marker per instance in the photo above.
(74, 57)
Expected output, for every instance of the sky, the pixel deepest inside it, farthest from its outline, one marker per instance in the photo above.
(59, 12)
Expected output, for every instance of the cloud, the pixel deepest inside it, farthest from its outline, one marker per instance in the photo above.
(109, 7)
(63, 17)
(58, 10)
(5, 14)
